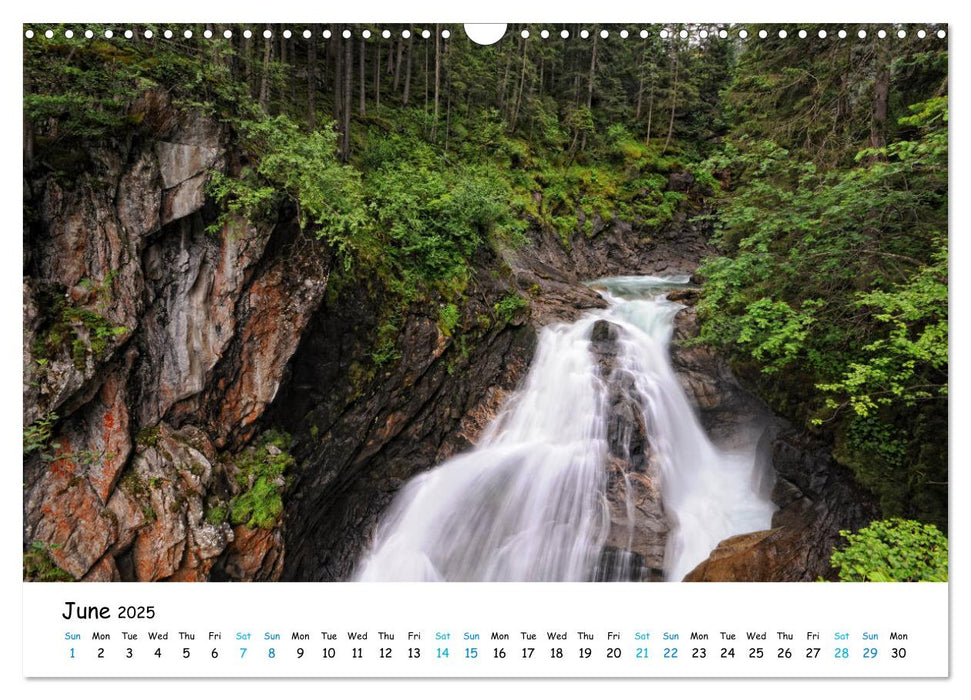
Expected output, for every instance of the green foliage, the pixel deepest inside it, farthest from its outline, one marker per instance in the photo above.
(892, 550)
(434, 219)
(37, 435)
(448, 318)
(259, 507)
(509, 307)
(260, 471)
(217, 514)
(81, 331)
(149, 436)
(895, 367)
(386, 342)
(39, 566)
(300, 167)
(834, 283)
(93, 333)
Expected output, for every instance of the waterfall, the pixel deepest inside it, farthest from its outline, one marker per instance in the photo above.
(529, 502)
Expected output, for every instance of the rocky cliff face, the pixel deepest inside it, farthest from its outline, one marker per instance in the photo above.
(151, 348)
(364, 430)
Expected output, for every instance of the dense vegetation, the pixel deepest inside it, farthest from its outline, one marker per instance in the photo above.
(826, 160)
(893, 550)
(832, 289)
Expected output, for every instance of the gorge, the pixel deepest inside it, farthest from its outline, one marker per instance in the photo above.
(574, 313)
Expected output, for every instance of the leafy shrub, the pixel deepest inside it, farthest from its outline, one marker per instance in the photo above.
(893, 550)
(303, 167)
(435, 219)
(37, 435)
(510, 305)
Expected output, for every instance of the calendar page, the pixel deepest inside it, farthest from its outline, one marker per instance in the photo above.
(541, 350)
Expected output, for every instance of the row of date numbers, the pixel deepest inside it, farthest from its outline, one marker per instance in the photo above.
(530, 652)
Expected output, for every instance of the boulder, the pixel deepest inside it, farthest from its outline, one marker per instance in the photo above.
(817, 499)
(680, 181)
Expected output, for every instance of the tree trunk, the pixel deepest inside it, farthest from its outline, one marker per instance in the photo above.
(248, 65)
(650, 114)
(237, 46)
(363, 106)
(542, 68)
(312, 78)
(407, 93)
(505, 80)
(282, 56)
(265, 78)
(593, 70)
(397, 63)
(334, 47)
(292, 73)
(348, 87)
(28, 144)
(377, 80)
(640, 85)
(519, 94)
(438, 78)
(881, 98)
(448, 112)
(674, 102)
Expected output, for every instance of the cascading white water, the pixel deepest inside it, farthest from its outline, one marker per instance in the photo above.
(528, 503)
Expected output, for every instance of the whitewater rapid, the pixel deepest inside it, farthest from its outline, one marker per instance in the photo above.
(528, 503)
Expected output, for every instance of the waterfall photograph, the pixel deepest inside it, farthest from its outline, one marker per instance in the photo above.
(591, 303)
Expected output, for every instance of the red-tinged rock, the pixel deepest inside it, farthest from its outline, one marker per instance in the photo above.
(129, 517)
(255, 554)
(64, 512)
(170, 478)
(274, 311)
(193, 569)
(103, 571)
(159, 547)
(767, 555)
(101, 431)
